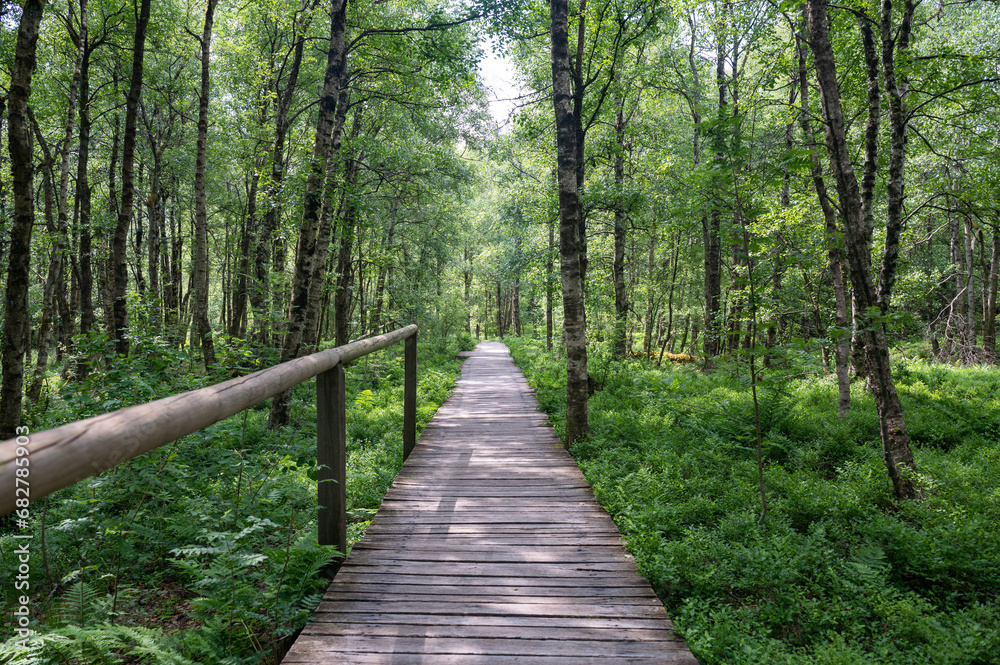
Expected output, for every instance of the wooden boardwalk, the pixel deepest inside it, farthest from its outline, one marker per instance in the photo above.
(489, 548)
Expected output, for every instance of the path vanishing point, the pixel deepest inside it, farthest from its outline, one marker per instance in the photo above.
(490, 548)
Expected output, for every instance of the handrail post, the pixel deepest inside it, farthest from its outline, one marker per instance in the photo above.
(331, 453)
(410, 395)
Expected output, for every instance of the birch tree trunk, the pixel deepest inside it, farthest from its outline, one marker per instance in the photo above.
(199, 309)
(834, 242)
(466, 283)
(894, 44)
(83, 201)
(568, 130)
(550, 283)
(990, 314)
(648, 322)
(867, 180)
(16, 312)
(118, 268)
(316, 292)
(969, 329)
(897, 455)
(238, 324)
(313, 202)
(712, 224)
(618, 263)
(52, 276)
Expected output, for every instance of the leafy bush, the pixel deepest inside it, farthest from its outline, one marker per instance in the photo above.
(466, 342)
(840, 572)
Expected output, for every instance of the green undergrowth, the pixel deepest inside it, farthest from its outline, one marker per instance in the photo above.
(203, 551)
(840, 571)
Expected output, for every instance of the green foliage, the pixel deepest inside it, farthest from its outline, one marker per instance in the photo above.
(205, 550)
(840, 572)
(100, 644)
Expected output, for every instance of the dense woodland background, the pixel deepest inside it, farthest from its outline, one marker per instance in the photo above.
(769, 227)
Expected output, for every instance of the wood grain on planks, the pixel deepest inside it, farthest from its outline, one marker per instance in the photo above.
(490, 549)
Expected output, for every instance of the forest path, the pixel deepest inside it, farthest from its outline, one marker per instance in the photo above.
(490, 548)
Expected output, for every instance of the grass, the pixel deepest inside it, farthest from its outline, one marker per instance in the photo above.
(205, 550)
(840, 571)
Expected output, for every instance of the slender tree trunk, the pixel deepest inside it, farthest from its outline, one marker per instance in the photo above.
(137, 237)
(550, 283)
(267, 250)
(342, 305)
(577, 90)
(467, 285)
(16, 312)
(969, 329)
(199, 309)
(500, 319)
(516, 306)
(154, 213)
(313, 201)
(104, 273)
(895, 439)
(175, 287)
(238, 327)
(62, 244)
(343, 298)
(711, 225)
(870, 168)
(648, 321)
(687, 327)
(83, 202)
(119, 242)
(618, 264)
(52, 277)
(376, 320)
(568, 128)
(897, 88)
(834, 242)
(362, 282)
(486, 313)
(990, 314)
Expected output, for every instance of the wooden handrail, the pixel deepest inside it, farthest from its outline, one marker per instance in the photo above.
(65, 455)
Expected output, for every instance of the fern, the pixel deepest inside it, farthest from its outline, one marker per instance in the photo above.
(102, 644)
(81, 605)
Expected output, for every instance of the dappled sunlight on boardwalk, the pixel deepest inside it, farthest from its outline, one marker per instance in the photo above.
(490, 548)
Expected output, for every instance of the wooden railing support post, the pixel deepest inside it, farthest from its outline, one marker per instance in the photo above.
(410, 395)
(331, 453)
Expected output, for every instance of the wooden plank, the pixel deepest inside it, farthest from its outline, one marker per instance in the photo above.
(447, 599)
(483, 646)
(382, 577)
(395, 590)
(399, 658)
(580, 623)
(490, 548)
(484, 608)
(562, 557)
(474, 632)
(461, 542)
